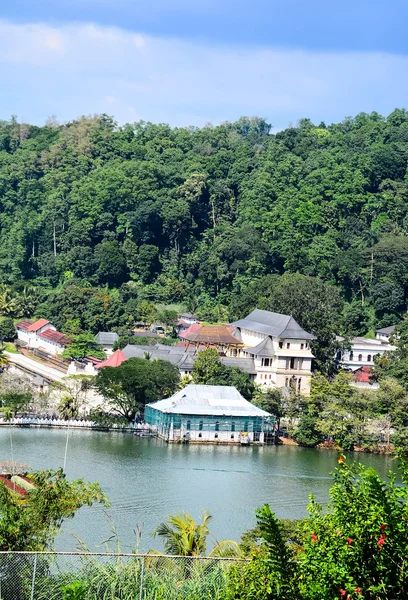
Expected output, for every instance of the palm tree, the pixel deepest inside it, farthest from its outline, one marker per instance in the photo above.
(183, 537)
(28, 300)
(8, 304)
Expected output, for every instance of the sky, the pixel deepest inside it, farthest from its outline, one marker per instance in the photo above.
(198, 61)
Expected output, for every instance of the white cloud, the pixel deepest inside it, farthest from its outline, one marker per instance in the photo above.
(80, 69)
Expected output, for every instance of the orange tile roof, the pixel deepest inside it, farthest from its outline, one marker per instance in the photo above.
(38, 324)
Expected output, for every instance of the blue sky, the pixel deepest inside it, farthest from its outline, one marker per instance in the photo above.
(192, 62)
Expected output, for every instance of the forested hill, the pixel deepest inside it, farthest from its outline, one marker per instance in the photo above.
(195, 215)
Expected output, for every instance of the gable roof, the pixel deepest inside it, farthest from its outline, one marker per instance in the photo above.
(386, 330)
(223, 400)
(115, 360)
(32, 326)
(55, 336)
(106, 337)
(274, 324)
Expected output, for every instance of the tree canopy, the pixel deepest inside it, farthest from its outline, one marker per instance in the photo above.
(136, 382)
(100, 222)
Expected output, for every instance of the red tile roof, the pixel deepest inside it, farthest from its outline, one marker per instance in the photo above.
(38, 324)
(24, 325)
(30, 326)
(192, 329)
(115, 360)
(55, 336)
(364, 374)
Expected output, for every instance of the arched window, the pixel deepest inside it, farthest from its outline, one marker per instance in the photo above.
(360, 358)
(351, 356)
(369, 358)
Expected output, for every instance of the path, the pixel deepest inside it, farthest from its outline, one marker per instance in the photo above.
(35, 367)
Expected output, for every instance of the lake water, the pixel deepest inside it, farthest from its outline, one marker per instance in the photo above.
(147, 479)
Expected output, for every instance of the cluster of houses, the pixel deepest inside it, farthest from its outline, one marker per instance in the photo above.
(272, 348)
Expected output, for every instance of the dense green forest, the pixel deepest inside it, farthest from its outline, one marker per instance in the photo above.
(100, 220)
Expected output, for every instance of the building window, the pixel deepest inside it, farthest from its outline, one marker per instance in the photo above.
(232, 437)
(200, 426)
(217, 426)
(280, 344)
(216, 435)
(299, 383)
(200, 435)
(302, 346)
(188, 425)
(287, 382)
(360, 358)
(270, 376)
(369, 358)
(288, 345)
(265, 362)
(292, 363)
(232, 426)
(260, 376)
(351, 356)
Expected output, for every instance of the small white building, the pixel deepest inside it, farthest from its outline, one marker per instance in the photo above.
(209, 414)
(384, 333)
(42, 335)
(27, 331)
(363, 351)
(184, 322)
(52, 341)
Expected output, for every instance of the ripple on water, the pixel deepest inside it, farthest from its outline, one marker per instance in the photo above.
(146, 479)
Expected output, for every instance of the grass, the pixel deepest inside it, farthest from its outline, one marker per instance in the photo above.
(9, 347)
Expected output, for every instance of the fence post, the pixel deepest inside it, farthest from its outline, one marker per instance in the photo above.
(141, 579)
(34, 572)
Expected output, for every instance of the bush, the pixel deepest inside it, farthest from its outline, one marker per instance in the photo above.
(356, 549)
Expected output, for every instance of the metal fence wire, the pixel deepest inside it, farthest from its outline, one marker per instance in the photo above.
(103, 576)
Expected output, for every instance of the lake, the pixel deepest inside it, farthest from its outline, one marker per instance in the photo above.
(147, 479)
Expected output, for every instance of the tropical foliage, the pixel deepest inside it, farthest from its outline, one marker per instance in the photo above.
(183, 537)
(31, 523)
(357, 548)
(100, 221)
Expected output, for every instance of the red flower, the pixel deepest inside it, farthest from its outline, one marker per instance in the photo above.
(349, 541)
(341, 459)
(383, 527)
(358, 590)
(342, 592)
(314, 537)
(381, 542)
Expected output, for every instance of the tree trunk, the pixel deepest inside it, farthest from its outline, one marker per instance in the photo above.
(55, 240)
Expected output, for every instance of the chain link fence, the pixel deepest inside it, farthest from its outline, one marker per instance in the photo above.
(92, 576)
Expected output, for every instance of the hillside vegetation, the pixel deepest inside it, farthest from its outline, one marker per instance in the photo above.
(210, 218)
